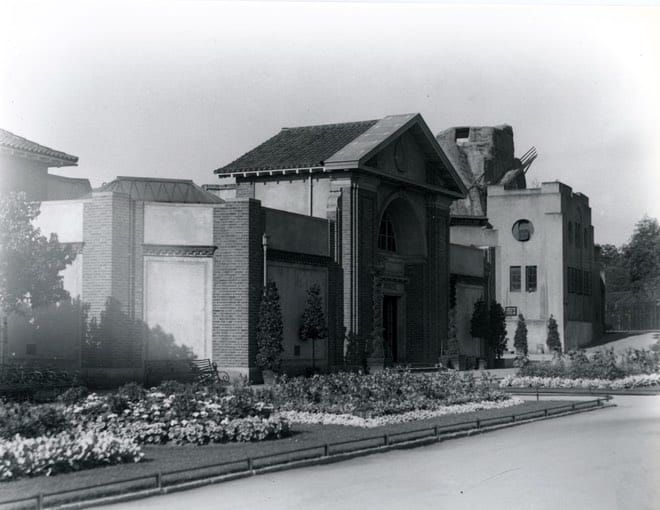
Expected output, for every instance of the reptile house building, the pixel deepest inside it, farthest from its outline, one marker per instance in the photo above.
(361, 209)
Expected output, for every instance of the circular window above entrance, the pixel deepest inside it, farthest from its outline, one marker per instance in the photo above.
(522, 230)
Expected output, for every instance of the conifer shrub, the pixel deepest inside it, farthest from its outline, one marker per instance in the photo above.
(552, 341)
(270, 330)
(520, 338)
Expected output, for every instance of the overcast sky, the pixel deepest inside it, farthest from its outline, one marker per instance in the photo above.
(177, 89)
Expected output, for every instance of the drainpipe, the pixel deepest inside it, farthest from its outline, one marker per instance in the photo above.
(264, 243)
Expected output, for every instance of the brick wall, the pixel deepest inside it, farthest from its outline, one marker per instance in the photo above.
(108, 220)
(237, 283)
(438, 281)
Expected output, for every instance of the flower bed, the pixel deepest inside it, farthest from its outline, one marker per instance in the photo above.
(66, 451)
(423, 414)
(194, 415)
(633, 381)
(382, 394)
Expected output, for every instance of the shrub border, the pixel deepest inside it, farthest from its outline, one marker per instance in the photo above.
(323, 455)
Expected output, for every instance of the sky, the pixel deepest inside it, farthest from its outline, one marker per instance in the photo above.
(177, 89)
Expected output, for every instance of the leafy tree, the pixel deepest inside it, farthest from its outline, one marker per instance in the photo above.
(613, 262)
(29, 263)
(489, 323)
(520, 338)
(642, 254)
(270, 330)
(552, 341)
(313, 326)
(497, 329)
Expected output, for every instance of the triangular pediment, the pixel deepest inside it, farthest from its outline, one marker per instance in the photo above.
(400, 145)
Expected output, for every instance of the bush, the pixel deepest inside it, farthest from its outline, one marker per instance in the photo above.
(66, 451)
(602, 364)
(131, 391)
(383, 393)
(30, 420)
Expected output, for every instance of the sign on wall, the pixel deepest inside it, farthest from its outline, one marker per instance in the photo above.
(511, 311)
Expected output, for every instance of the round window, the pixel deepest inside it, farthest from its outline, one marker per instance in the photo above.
(522, 230)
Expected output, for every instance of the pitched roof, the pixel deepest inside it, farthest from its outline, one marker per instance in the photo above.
(162, 190)
(299, 147)
(9, 142)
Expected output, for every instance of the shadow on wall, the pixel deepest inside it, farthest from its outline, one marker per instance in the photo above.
(116, 340)
(62, 335)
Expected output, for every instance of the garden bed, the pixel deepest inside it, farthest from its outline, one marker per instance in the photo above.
(630, 382)
(166, 458)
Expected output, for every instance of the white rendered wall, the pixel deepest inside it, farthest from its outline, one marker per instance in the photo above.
(178, 224)
(177, 297)
(62, 217)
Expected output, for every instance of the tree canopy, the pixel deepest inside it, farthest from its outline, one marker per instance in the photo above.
(30, 264)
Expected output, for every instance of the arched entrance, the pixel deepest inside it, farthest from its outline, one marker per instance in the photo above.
(400, 243)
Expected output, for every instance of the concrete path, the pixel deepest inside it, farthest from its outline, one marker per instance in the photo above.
(606, 459)
(642, 341)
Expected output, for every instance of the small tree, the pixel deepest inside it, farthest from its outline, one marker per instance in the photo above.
(479, 324)
(497, 329)
(520, 339)
(552, 341)
(270, 330)
(313, 326)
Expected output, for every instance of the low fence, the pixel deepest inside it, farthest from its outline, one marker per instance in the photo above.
(160, 482)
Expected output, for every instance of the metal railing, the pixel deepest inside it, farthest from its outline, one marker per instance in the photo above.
(156, 483)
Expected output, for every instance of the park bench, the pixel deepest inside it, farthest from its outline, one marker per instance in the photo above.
(184, 371)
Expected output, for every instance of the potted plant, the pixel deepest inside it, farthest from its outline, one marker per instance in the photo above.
(269, 333)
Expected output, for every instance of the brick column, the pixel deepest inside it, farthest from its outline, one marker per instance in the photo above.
(108, 220)
(238, 226)
(358, 244)
(437, 277)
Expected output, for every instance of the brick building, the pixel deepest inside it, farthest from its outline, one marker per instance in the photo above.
(361, 209)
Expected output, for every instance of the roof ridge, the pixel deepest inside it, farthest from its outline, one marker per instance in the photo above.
(36, 150)
(335, 124)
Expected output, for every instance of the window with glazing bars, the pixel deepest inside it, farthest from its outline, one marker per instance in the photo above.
(514, 278)
(530, 278)
(386, 239)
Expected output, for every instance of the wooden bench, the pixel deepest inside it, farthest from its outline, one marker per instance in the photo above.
(183, 370)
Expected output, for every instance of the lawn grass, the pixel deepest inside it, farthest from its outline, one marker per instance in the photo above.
(171, 458)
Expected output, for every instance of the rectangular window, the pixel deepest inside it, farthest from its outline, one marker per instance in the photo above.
(587, 283)
(571, 280)
(530, 278)
(514, 278)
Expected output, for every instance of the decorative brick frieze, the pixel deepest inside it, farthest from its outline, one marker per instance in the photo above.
(165, 250)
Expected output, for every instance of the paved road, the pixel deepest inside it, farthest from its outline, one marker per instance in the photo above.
(606, 459)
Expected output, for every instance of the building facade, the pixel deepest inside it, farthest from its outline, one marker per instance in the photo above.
(360, 209)
(539, 241)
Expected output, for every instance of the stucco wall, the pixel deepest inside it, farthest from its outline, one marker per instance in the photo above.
(178, 299)
(293, 194)
(178, 224)
(62, 217)
(292, 282)
(295, 232)
(473, 236)
(537, 333)
(544, 250)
